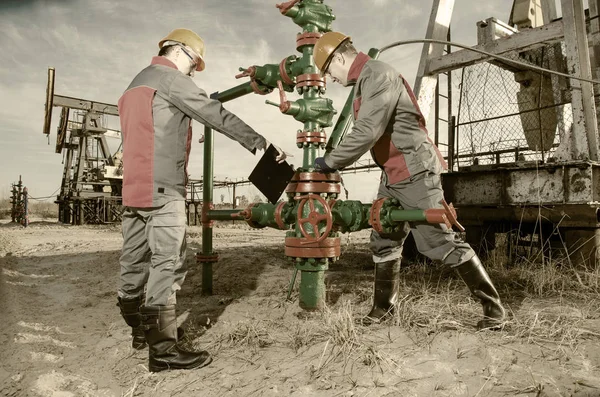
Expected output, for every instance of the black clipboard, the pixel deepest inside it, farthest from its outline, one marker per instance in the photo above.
(271, 177)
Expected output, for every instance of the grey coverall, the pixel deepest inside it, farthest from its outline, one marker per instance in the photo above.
(389, 123)
(156, 113)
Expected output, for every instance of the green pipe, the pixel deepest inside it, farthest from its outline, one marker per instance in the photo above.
(223, 215)
(309, 156)
(349, 215)
(233, 93)
(397, 215)
(346, 117)
(312, 291)
(207, 198)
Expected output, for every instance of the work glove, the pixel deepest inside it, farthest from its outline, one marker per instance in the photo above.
(321, 165)
(280, 158)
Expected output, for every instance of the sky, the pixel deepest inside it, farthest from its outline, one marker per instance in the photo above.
(97, 47)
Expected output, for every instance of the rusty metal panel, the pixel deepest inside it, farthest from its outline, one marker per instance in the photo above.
(473, 188)
(530, 187)
(551, 184)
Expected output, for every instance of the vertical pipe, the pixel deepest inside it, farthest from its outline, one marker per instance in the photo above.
(310, 150)
(451, 139)
(312, 289)
(436, 120)
(49, 101)
(25, 209)
(233, 204)
(450, 118)
(207, 198)
(13, 200)
(309, 155)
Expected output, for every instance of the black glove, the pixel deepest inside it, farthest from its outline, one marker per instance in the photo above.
(321, 165)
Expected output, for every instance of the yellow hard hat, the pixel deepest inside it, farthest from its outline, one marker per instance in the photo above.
(325, 47)
(190, 39)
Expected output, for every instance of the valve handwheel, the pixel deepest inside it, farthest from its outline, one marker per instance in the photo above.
(314, 217)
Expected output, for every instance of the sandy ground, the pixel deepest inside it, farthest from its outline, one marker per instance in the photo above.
(61, 333)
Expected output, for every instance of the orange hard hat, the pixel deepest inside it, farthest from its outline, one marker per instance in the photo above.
(325, 47)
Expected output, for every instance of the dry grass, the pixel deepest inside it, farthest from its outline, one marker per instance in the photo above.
(551, 305)
(548, 305)
(37, 209)
(247, 335)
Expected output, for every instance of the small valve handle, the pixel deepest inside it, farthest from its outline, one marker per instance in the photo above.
(249, 72)
(272, 103)
(285, 7)
(284, 104)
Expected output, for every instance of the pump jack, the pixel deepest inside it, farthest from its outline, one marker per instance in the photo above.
(90, 191)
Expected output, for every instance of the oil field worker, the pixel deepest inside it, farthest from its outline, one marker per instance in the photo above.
(156, 113)
(389, 123)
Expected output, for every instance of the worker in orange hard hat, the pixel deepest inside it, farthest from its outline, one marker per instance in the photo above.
(156, 113)
(389, 123)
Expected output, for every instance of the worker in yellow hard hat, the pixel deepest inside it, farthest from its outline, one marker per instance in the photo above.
(389, 123)
(156, 113)
(186, 48)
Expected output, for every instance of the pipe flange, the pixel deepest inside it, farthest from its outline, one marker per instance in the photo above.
(331, 203)
(247, 215)
(313, 187)
(310, 80)
(203, 258)
(283, 73)
(278, 218)
(317, 176)
(298, 247)
(304, 39)
(311, 136)
(206, 222)
(375, 217)
(256, 88)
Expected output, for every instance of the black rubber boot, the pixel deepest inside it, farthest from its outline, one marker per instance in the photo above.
(160, 325)
(385, 291)
(130, 310)
(474, 275)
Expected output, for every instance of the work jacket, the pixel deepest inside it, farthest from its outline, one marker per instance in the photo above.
(156, 113)
(388, 122)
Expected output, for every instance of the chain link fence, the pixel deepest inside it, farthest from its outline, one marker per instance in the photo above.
(508, 114)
